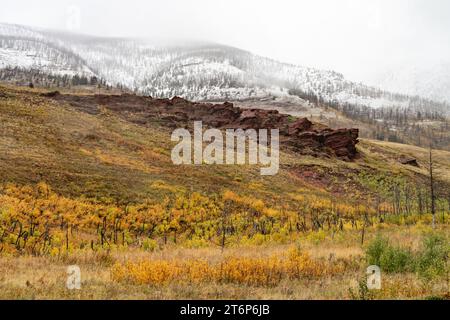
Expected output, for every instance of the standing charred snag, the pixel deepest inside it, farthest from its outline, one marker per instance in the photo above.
(225, 212)
(67, 237)
(433, 200)
(365, 224)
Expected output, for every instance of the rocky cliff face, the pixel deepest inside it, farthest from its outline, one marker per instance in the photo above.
(299, 134)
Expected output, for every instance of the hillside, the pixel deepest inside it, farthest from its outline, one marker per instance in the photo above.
(113, 153)
(86, 179)
(196, 71)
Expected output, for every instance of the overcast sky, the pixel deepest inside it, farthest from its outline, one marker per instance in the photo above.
(355, 37)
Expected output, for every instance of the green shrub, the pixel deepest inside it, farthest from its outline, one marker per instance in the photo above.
(396, 260)
(376, 249)
(149, 245)
(432, 261)
(389, 258)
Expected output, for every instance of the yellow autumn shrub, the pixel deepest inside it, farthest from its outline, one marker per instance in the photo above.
(239, 270)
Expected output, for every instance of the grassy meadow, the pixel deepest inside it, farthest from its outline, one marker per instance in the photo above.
(315, 266)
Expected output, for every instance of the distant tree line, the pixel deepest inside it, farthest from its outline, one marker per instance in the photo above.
(35, 77)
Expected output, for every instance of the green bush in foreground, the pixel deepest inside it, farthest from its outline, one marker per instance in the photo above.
(430, 262)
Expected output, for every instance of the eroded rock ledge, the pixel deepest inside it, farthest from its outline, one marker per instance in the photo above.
(299, 134)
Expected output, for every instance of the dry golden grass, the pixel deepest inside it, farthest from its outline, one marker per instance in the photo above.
(328, 270)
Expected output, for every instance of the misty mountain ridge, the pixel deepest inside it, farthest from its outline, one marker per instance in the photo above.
(430, 81)
(196, 71)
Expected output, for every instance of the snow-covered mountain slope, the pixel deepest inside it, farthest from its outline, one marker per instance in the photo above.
(197, 71)
(48, 59)
(29, 49)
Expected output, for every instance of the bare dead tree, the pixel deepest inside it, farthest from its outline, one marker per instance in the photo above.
(224, 223)
(433, 200)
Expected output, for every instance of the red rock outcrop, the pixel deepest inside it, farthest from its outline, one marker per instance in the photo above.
(299, 134)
